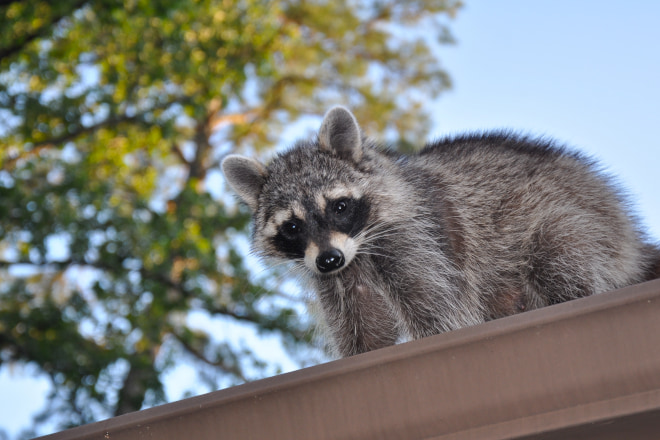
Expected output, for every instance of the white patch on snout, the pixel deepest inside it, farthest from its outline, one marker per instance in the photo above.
(345, 244)
(311, 254)
(340, 241)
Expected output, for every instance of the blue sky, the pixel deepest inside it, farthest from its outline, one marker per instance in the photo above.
(584, 72)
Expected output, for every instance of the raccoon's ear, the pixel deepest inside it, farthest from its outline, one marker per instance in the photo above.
(340, 134)
(246, 176)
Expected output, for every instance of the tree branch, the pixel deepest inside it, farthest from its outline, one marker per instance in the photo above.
(39, 146)
(176, 149)
(131, 394)
(40, 32)
(57, 141)
(224, 366)
(218, 121)
(253, 318)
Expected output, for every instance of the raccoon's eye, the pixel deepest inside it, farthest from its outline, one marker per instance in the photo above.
(340, 206)
(291, 229)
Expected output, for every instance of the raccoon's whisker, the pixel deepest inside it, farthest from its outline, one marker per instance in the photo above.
(379, 234)
(373, 254)
(298, 267)
(293, 269)
(296, 273)
(273, 265)
(373, 233)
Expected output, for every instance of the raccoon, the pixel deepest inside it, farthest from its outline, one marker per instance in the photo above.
(469, 229)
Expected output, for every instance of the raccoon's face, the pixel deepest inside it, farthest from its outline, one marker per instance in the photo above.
(309, 204)
(321, 230)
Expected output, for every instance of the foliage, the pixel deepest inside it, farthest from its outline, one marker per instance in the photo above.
(115, 231)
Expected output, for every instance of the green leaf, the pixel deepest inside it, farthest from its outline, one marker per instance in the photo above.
(114, 115)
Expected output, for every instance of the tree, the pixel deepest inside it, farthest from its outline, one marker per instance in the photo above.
(115, 233)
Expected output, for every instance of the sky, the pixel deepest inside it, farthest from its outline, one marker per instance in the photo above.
(582, 72)
(586, 73)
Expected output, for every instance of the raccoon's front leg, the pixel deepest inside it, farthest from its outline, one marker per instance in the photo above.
(432, 304)
(358, 316)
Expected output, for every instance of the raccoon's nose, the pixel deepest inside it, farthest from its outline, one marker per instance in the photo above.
(330, 260)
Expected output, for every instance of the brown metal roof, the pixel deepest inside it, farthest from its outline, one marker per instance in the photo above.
(587, 369)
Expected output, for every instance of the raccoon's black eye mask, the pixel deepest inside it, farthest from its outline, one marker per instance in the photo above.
(292, 229)
(291, 238)
(347, 215)
(341, 206)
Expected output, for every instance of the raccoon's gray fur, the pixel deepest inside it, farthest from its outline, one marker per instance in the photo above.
(469, 229)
